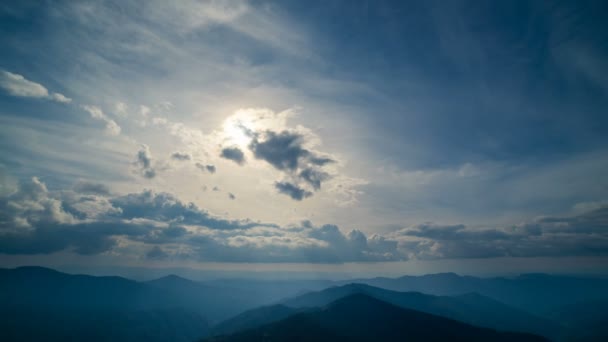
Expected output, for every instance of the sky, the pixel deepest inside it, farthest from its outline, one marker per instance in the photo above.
(320, 136)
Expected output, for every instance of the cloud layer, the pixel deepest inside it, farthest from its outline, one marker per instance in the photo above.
(88, 220)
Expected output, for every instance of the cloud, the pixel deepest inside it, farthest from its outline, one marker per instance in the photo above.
(164, 207)
(208, 168)
(167, 228)
(112, 128)
(180, 156)
(144, 162)
(581, 235)
(292, 190)
(34, 220)
(85, 187)
(285, 151)
(233, 153)
(60, 98)
(156, 253)
(18, 85)
(314, 177)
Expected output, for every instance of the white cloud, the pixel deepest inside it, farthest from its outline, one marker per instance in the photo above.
(18, 85)
(60, 98)
(96, 113)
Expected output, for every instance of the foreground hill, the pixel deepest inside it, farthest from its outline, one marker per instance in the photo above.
(360, 317)
(254, 318)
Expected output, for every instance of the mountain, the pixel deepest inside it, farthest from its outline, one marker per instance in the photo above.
(254, 318)
(471, 308)
(536, 293)
(359, 317)
(584, 321)
(215, 303)
(43, 304)
(224, 298)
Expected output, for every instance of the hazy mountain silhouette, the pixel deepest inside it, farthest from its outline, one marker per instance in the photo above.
(216, 303)
(42, 304)
(470, 308)
(359, 317)
(39, 303)
(536, 293)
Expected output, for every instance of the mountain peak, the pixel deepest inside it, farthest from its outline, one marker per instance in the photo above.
(172, 278)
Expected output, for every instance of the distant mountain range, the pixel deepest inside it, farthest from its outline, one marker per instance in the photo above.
(470, 308)
(359, 317)
(39, 303)
(536, 293)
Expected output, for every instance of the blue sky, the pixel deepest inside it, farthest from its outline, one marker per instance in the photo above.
(312, 134)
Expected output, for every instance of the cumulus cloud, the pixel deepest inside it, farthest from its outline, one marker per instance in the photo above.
(233, 153)
(112, 128)
(144, 162)
(17, 85)
(180, 156)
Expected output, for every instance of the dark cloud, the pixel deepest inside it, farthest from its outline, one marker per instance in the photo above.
(46, 241)
(285, 151)
(180, 156)
(208, 168)
(234, 154)
(164, 207)
(326, 244)
(314, 177)
(282, 150)
(581, 235)
(292, 190)
(144, 162)
(156, 253)
(84, 187)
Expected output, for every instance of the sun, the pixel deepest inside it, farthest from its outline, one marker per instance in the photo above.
(238, 129)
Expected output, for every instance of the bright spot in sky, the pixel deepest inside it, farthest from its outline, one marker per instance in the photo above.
(238, 130)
